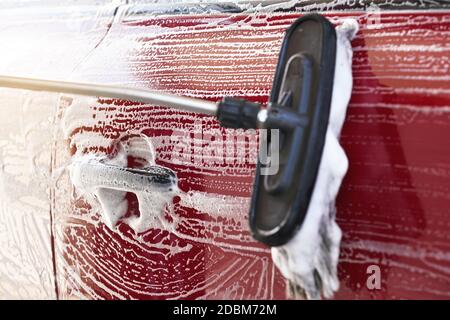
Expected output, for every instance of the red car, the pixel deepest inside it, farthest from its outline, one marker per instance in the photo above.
(393, 206)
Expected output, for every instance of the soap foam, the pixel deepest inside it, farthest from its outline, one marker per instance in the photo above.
(108, 180)
(309, 260)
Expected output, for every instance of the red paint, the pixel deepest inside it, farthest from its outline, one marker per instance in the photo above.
(393, 206)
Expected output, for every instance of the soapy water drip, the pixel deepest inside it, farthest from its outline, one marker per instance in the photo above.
(309, 260)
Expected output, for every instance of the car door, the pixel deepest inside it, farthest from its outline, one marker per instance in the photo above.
(49, 42)
(392, 207)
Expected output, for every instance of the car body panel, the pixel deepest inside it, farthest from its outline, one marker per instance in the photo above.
(393, 204)
(48, 43)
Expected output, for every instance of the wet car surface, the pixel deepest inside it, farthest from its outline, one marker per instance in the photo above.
(392, 207)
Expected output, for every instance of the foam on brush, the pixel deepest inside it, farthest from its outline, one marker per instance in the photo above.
(309, 260)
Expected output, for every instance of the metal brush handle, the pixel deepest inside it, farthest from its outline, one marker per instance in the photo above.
(111, 91)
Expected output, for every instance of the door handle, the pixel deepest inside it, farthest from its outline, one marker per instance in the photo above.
(154, 187)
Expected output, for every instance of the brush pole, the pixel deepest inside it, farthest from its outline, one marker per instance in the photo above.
(111, 91)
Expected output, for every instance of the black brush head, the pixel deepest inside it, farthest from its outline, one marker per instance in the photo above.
(303, 85)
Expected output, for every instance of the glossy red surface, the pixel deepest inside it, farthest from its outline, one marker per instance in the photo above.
(393, 206)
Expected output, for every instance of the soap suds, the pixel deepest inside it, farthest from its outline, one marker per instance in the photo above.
(194, 59)
(310, 269)
(108, 180)
(309, 260)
